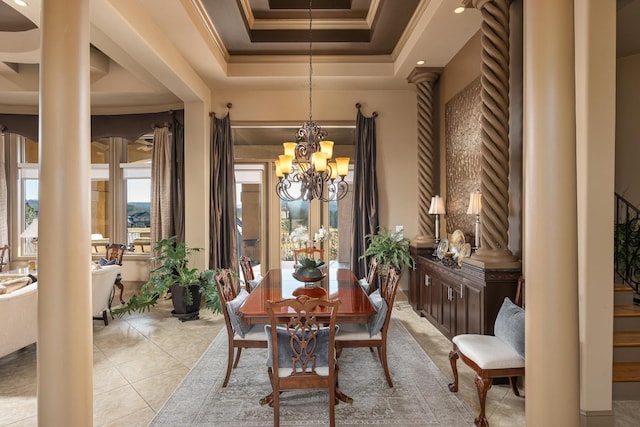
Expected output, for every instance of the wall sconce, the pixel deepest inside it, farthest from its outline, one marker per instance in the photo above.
(437, 209)
(475, 206)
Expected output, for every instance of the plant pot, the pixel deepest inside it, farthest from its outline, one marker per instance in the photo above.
(180, 308)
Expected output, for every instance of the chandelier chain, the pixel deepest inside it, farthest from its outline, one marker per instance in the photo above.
(310, 58)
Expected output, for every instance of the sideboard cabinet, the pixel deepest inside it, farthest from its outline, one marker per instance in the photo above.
(459, 300)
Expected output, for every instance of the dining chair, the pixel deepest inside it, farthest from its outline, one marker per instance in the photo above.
(301, 351)
(250, 280)
(373, 334)
(239, 335)
(369, 283)
(308, 252)
(113, 255)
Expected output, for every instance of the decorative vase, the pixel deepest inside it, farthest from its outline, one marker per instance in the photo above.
(180, 308)
(309, 275)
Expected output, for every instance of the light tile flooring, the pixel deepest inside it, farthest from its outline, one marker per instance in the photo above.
(140, 359)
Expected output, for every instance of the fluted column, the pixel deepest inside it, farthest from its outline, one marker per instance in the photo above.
(424, 79)
(494, 174)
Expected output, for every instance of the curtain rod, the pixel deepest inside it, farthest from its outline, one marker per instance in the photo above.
(213, 114)
(374, 114)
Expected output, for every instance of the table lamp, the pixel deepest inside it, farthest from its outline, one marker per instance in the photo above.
(475, 206)
(437, 209)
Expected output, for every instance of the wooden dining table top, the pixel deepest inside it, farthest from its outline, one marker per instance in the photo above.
(279, 284)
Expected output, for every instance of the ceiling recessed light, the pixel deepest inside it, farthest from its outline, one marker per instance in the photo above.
(421, 62)
(20, 2)
(458, 9)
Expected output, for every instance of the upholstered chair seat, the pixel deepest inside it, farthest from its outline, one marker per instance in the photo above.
(488, 351)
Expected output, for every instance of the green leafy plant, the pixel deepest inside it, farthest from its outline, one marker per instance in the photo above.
(307, 263)
(389, 249)
(172, 260)
(627, 249)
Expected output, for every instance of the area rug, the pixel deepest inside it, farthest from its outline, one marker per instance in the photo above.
(420, 396)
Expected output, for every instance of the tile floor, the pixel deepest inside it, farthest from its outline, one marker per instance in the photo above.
(140, 359)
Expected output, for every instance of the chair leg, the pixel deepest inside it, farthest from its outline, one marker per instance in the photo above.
(483, 385)
(120, 286)
(453, 359)
(105, 318)
(514, 385)
(332, 404)
(229, 364)
(382, 351)
(275, 400)
(235, 364)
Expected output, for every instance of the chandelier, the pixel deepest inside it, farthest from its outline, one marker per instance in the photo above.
(305, 171)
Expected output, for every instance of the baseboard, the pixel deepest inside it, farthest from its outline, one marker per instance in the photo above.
(596, 418)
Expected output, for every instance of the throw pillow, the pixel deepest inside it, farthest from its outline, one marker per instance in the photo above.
(377, 320)
(509, 325)
(12, 285)
(104, 261)
(285, 353)
(254, 283)
(235, 318)
(364, 284)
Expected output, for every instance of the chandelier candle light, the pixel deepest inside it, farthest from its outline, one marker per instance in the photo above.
(307, 161)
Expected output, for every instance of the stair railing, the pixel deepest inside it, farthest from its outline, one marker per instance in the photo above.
(627, 243)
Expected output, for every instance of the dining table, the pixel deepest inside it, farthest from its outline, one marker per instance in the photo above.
(279, 284)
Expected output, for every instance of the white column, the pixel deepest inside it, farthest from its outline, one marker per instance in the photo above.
(550, 217)
(65, 348)
(595, 35)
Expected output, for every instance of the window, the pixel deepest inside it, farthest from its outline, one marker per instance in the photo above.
(120, 193)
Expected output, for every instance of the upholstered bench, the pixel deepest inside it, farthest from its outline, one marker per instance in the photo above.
(492, 356)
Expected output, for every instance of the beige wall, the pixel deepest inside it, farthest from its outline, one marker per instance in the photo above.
(396, 132)
(462, 70)
(628, 128)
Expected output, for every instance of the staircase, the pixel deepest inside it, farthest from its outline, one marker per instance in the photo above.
(626, 344)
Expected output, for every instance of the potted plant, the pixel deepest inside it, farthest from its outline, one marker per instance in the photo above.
(173, 274)
(389, 249)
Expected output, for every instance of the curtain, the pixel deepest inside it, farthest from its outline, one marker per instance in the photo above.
(224, 242)
(177, 181)
(4, 212)
(161, 221)
(365, 191)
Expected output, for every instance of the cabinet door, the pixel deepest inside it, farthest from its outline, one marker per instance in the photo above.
(473, 308)
(415, 279)
(460, 300)
(429, 295)
(448, 310)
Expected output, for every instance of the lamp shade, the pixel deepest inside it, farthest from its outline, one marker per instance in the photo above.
(437, 206)
(475, 203)
(31, 232)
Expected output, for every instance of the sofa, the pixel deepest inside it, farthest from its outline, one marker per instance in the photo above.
(19, 317)
(102, 280)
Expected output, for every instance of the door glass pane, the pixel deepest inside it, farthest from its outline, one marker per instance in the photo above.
(294, 229)
(249, 213)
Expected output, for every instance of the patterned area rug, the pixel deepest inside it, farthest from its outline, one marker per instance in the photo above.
(420, 396)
